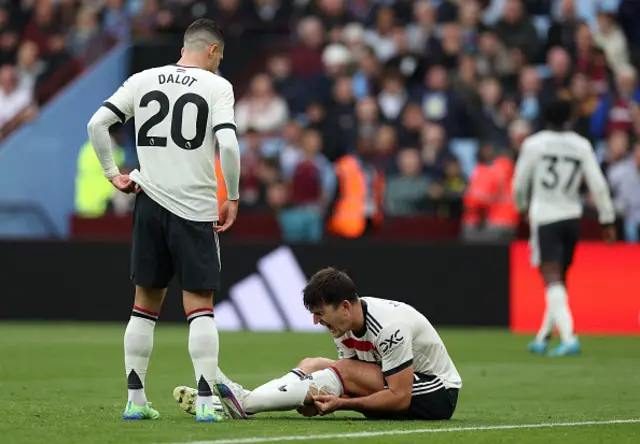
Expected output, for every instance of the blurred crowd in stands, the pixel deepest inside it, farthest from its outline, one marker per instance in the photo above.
(379, 107)
(44, 44)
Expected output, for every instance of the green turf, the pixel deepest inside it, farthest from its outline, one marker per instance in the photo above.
(65, 384)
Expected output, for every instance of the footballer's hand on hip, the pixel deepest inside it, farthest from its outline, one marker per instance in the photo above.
(124, 183)
(228, 214)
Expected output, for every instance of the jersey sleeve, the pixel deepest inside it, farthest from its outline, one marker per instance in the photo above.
(523, 176)
(344, 352)
(598, 187)
(222, 112)
(121, 103)
(394, 343)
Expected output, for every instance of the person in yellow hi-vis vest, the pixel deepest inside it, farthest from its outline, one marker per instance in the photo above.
(92, 191)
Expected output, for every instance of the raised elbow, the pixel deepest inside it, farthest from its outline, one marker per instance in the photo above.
(93, 125)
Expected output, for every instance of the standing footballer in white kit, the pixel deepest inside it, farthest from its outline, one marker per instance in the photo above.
(549, 172)
(180, 110)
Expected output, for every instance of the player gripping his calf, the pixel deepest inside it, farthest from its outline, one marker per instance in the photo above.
(180, 110)
(551, 167)
(392, 363)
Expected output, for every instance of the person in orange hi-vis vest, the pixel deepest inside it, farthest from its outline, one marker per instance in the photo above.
(503, 216)
(477, 200)
(358, 206)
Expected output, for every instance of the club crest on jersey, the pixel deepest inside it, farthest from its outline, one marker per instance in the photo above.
(391, 342)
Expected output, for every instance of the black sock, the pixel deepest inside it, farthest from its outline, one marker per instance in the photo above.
(133, 381)
(204, 389)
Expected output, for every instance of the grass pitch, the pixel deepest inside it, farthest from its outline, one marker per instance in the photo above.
(65, 384)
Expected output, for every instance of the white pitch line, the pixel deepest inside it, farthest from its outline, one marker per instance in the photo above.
(412, 432)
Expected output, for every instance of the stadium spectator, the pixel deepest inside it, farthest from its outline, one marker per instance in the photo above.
(144, 23)
(333, 13)
(250, 179)
(306, 55)
(386, 147)
(341, 130)
(563, 27)
(517, 31)
(493, 117)
(28, 66)
(392, 97)
(353, 37)
(447, 11)
(287, 148)
(262, 108)
(41, 24)
(612, 40)
(367, 117)
(381, 38)
(8, 46)
(470, 26)
(423, 28)
(411, 65)
(59, 68)
(336, 60)
(407, 190)
(115, 20)
(466, 82)
(410, 126)
(311, 187)
(13, 100)
(434, 150)
(84, 33)
(617, 152)
(556, 84)
(448, 48)
(530, 94)
(494, 58)
(453, 188)
(288, 86)
(585, 101)
(620, 110)
(440, 104)
(625, 183)
(358, 206)
(367, 73)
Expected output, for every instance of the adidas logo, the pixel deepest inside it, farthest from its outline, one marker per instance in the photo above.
(268, 300)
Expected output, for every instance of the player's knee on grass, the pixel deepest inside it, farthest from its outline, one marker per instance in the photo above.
(310, 365)
(149, 299)
(359, 378)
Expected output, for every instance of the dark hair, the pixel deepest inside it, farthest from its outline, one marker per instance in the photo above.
(329, 286)
(557, 113)
(205, 25)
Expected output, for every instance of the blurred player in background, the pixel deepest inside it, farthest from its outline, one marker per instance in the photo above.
(179, 112)
(547, 181)
(392, 363)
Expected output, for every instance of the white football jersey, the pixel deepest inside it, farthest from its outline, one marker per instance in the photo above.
(177, 110)
(395, 336)
(551, 167)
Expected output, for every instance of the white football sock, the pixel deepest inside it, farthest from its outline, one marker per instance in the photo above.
(275, 396)
(547, 326)
(203, 348)
(292, 376)
(560, 313)
(138, 344)
(326, 382)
